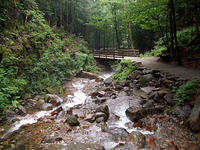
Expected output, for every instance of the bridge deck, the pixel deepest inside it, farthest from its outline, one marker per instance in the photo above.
(115, 54)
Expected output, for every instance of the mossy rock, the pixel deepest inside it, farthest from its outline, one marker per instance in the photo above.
(73, 121)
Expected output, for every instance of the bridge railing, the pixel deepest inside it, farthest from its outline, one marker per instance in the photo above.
(115, 53)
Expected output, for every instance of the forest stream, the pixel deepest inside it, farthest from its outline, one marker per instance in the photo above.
(98, 122)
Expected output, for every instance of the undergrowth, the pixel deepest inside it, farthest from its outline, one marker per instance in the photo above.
(37, 60)
(125, 68)
(185, 92)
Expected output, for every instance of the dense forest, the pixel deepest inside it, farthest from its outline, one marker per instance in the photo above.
(44, 42)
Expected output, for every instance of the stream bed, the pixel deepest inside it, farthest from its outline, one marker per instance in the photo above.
(48, 130)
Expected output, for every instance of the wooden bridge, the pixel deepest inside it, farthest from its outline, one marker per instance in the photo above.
(115, 53)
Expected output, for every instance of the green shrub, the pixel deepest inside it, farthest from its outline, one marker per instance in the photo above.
(185, 36)
(186, 91)
(125, 68)
(157, 49)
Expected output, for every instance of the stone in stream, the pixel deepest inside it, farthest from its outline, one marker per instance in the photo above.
(182, 112)
(21, 110)
(194, 119)
(117, 133)
(135, 114)
(137, 139)
(90, 118)
(145, 79)
(89, 75)
(72, 120)
(53, 99)
(108, 81)
(47, 106)
(104, 109)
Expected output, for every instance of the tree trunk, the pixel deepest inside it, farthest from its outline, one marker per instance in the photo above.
(61, 13)
(130, 35)
(116, 28)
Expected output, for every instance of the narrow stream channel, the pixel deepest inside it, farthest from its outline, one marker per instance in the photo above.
(117, 107)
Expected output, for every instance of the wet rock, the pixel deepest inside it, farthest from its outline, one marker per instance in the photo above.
(21, 110)
(47, 106)
(72, 120)
(124, 146)
(101, 115)
(143, 101)
(149, 104)
(100, 119)
(90, 118)
(135, 114)
(182, 112)
(117, 133)
(148, 89)
(118, 87)
(100, 100)
(145, 79)
(98, 94)
(194, 119)
(56, 112)
(53, 99)
(103, 108)
(169, 98)
(108, 81)
(89, 75)
(137, 139)
(162, 93)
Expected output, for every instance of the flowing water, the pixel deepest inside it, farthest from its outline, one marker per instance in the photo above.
(78, 97)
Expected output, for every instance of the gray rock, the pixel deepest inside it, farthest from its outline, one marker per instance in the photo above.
(89, 75)
(145, 79)
(99, 120)
(117, 132)
(148, 89)
(98, 94)
(21, 110)
(169, 98)
(101, 115)
(108, 81)
(47, 106)
(182, 112)
(90, 118)
(53, 99)
(137, 139)
(135, 114)
(102, 111)
(194, 119)
(149, 104)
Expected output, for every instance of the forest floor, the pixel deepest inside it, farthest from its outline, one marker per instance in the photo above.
(180, 71)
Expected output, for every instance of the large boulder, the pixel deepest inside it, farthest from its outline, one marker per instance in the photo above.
(194, 119)
(135, 114)
(53, 99)
(182, 112)
(89, 75)
(145, 79)
(137, 139)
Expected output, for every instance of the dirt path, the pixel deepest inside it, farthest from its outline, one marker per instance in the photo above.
(153, 63)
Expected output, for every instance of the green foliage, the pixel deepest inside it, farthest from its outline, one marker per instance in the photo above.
(37, 60)
(185, 36)
(157, 49)
(185, 92)
(125, 68)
